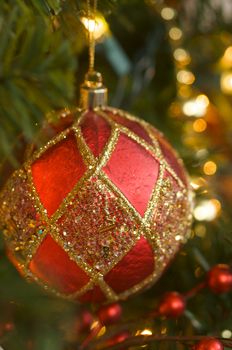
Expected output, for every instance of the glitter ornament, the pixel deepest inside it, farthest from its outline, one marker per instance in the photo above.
(99, 212)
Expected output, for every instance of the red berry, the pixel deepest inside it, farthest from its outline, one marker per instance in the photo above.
(172, 305)
(118, 338)
(9, 326)
(209, 344)
(220, 279)
(86, 321)
(110, 313)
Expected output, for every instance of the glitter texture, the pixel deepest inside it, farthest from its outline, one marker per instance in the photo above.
(22, 222)
(96, 227)
(117, 209)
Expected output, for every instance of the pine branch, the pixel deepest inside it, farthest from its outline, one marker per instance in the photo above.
(37, 72)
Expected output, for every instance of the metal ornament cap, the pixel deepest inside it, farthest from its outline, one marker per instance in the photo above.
(93, 92)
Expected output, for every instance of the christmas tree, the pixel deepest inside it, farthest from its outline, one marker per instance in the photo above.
(169, 62)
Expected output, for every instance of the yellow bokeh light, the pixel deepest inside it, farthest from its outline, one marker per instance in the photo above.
(175, 33)
(226, 83)
(145, 331)
(196, 107)
(210, 168)
(97, 26)
(168, 13)
(185, 77)
(207, 210)
(101, 332)
(226, 59)
(228, 53)
(226, 334)
(197, 183)
(182, 56)
(200, 230)
(199, 125)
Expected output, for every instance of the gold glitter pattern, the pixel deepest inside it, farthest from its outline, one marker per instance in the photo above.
(23, 224)
(97, 227)
(168, 232)
(96, 224)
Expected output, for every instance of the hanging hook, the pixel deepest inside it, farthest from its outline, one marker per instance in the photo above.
(93, 92)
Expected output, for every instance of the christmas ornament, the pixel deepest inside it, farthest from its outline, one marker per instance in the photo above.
(209, 344)
(220, 279)
(110, 313)
(98, 212)
(172, 305)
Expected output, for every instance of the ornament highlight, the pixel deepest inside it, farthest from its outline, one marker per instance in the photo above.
(100, 211)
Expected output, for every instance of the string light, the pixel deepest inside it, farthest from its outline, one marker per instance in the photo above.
(97, 26)
(175, 33)
(226, 60)
(207, 210)
(184, 91)
(182, 56)
(227, 334)
(196, 107)
(200, 230)
(210, 168)
(168, 13)
(185, 77)
(226, 83)
(145, 331)
(199, 125)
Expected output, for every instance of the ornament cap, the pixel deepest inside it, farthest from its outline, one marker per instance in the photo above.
(93, 92)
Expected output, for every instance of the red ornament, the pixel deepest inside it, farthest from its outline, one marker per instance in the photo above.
(118, 338)
(172, 305)
(110, 313)
(209, 344)
(99, 211)
(220, 279)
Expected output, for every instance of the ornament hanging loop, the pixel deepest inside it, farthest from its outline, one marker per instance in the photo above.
(91, 20)
(93, 92)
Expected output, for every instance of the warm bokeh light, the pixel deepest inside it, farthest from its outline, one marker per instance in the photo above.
(182, 56)
(226, 334)
(200, 230)
(185, 77)
(207, 210)
(226, 59)
(197, 183)
(101, 332)
(210, 168)
(175, 33)
(168, 13)
(226, 83)
(97, 26)
(199, 125)
(145, 331)
(196, 107)
(184, 91)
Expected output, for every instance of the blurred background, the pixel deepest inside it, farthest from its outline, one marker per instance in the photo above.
(170, 63)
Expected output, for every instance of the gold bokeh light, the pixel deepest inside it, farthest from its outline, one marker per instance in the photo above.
(97, 26)
(210, 168)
